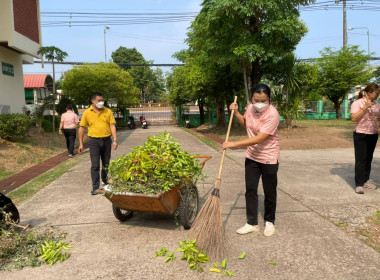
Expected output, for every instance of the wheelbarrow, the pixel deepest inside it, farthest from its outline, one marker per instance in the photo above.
(183, 198)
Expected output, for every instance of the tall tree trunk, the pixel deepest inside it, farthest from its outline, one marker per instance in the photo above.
(255, 74)
(219, 107)
(246, 85)
(54, 96)
(337, 109)
(201, 111)
(287, 99)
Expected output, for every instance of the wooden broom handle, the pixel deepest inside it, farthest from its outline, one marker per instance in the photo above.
(227, 136)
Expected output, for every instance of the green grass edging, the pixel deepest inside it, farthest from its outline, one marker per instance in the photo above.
(29, 189)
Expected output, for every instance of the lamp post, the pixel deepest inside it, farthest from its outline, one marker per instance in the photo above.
(353, 28)
(105, 45)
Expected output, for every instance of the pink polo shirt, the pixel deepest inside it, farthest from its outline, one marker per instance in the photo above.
(70, 120)
(268, 151)
(366, 124)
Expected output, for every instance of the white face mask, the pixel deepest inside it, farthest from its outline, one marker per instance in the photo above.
(260, 106)
(100, 104)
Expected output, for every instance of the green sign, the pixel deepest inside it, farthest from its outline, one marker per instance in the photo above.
(7, 69)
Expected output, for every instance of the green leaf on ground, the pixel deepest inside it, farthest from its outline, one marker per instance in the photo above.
(242, 256)
(272, 262)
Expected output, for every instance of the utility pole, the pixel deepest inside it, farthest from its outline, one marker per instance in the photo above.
(344, 21)
(105, 45)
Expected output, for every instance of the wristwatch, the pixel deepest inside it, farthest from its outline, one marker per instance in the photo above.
(115, 141)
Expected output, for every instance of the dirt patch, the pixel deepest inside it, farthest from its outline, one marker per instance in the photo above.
(34, 149)
(304, 135)
(303, 138)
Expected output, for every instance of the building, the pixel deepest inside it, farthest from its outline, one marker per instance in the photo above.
(20, 39)
(37, 88)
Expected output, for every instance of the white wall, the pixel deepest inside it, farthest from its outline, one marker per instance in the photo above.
(12, 88)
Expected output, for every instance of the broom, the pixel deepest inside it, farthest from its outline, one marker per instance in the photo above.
(208, 228)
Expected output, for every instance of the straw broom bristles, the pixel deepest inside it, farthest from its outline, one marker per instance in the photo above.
(208, 227)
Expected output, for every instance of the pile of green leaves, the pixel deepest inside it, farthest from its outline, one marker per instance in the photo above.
(196, 258)
(157, 166)
(192, 255)
(19, 249)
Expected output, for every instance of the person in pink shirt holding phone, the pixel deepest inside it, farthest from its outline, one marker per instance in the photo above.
(263, 151)
(365, 112)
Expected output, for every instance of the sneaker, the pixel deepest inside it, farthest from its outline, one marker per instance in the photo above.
(359, 190)
(269, 229)
(71, 155)
(93, 193)
(370, 186)
(247, 228)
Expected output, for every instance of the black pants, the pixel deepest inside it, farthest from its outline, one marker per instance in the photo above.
(70, 135)
(100, 149)
(253, 171)
(364, 145)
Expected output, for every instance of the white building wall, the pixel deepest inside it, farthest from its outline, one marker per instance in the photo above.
(12, 88)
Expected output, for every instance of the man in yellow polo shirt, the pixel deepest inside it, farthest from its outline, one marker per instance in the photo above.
(101, 125)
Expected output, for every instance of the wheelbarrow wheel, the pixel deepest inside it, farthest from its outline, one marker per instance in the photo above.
(120, 214)
(188, 207)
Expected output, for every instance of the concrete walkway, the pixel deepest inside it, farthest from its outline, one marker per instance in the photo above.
(312, 184)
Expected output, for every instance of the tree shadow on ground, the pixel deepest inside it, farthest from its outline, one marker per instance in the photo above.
(347, 173)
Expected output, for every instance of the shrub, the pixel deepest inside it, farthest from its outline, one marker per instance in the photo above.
(61, 106)
(13, 126)
(47, 123)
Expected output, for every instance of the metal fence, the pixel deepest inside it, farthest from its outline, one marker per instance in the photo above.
(154, 113)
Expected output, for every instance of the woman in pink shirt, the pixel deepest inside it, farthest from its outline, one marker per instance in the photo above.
(68, 125)
(261, 120)
(365, 112)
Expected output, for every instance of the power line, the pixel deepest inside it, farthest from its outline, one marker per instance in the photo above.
(120, 64)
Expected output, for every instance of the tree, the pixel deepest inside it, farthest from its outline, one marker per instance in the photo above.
(247, 35)
(61, 106)
(156, 87)
(108, 78)
(149, 82)
(376, 75)
(53, 54)
(201, 80)
(339, 71)
(126, 55)
(292, 77)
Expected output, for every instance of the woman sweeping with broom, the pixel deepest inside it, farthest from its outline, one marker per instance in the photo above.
(365, 112)
(261, 120)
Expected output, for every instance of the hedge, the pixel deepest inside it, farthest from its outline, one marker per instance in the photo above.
(13, 126)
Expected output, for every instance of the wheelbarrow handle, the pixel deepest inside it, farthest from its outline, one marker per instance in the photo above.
(205, 159)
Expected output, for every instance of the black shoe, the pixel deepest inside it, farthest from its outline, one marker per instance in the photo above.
(93, 193)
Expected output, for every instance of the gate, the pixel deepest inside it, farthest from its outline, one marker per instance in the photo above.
(154, 113)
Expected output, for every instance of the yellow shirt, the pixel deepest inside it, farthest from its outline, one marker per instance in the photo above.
(98, 124)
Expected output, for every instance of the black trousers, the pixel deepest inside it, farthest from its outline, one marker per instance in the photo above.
(70, 135)
(364, 145)
(100, 149)
(253, 171)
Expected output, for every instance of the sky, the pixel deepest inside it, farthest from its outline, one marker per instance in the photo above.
(159, 41)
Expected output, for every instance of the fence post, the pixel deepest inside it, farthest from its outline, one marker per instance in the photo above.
(345, 109)
(320, 109)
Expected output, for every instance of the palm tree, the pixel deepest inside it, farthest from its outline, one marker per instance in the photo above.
(52, 54)
(288, 75)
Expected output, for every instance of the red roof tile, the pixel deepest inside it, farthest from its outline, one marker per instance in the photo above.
(35, 81)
